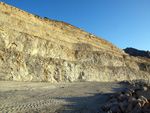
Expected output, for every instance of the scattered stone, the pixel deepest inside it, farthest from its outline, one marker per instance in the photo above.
(115, 103)
(144, 88)
(145, 109)
(143, 100)
(130, 107)
(115, 109)
(146, 94)
(134, 99)
(111, 96)
(128, 93)
(106, 107)
(109, 111)
(113, 100)
(121, 105)
(137, 108)
(121, 97)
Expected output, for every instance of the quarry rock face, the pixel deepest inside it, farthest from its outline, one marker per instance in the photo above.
(40, 49)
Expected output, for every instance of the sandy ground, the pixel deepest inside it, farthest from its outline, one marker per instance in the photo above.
(77, 97)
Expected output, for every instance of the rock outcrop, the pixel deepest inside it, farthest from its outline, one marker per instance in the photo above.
(40, 49)
(135, 52)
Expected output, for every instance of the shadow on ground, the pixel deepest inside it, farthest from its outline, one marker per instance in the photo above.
(88, 104)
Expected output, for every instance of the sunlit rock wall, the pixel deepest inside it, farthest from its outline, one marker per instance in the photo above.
(37, 49)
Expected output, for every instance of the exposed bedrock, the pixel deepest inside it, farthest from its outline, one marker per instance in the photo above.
(37, 49)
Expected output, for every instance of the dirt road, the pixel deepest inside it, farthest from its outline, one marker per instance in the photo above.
(77, 97)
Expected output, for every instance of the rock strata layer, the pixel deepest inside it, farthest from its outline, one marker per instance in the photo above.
(40, 49)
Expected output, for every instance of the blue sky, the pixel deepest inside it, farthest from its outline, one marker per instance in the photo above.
(125, 23)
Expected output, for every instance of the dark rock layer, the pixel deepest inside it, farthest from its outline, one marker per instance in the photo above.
(135, 52)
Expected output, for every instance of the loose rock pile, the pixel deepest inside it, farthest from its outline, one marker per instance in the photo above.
(134, 99)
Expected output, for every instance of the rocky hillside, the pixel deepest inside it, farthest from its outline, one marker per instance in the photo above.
(40, 49)
(135, 52)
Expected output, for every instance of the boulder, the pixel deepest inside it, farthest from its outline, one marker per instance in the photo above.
(144, 88)
(123, 106)
(115, 109)
(143, 100)
(130, 108)
(121, 97)
(106, 107)
(137, 109)
(146, 94)
(133, 99)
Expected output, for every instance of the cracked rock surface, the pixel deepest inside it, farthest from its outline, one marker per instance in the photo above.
(40, 49)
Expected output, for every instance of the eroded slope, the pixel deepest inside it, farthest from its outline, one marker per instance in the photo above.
(37, 49)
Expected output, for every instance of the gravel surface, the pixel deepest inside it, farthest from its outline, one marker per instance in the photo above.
(37, 97)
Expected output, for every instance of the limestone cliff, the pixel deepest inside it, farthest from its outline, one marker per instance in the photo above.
(40, 49)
